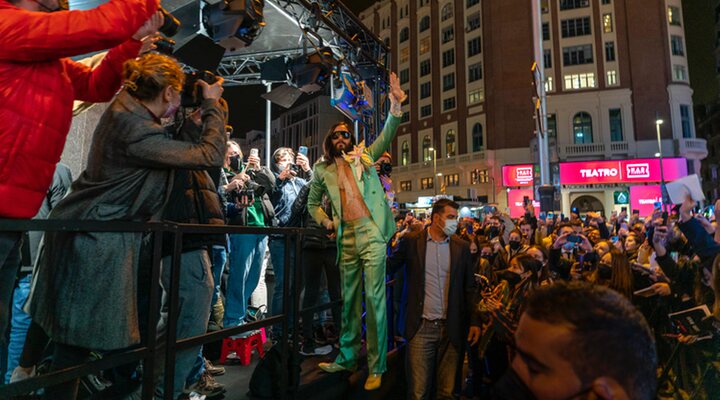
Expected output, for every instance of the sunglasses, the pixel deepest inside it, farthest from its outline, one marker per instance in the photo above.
(336, 134)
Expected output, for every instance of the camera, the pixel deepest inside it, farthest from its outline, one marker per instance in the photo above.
(192, 93)
(295, 168)
(243, 197)
(385, 169)
(165, 46)
(170, 25)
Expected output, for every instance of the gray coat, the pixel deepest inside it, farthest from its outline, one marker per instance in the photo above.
(85, 284)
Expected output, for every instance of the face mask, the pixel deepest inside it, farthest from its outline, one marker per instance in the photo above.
(450, 227)
(514, 245)
(509, 276)
(486, 256)
(235, 163)
(493, 231)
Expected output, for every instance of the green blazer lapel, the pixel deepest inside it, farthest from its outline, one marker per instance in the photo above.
(331, 183)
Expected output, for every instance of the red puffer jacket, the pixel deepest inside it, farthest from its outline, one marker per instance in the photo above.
(38, 85)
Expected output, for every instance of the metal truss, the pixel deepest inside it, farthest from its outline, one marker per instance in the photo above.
(244, 70)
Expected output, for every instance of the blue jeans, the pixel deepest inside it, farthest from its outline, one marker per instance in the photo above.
(277, 255)
(219, 258)
(18, 325)
(427, 351)
(10, 260)
(196, 287)
(246, 257)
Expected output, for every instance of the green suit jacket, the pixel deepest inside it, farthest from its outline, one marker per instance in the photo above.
(325, 180)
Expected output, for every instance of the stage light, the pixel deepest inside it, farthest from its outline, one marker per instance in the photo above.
(351, 98)
(311, 72)
(234, 24)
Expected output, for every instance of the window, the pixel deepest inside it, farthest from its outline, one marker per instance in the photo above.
(471, 3)
(616, 129)
(423, 3)
(426, 145)
(685, 121)
(475, 72)
(572, 4)
(582, 128)
(449, 82)
(546, 30)
(612, 78)
(679, 73)
(549, 87)
(424, 45)
(477, 137)
(402, 12)
(424, 67)
(476, 96)
(604, 2)
(449, 103)
(577, 55)
(387, 42)
(405, 154)
(425, 111)
(404, 76)
(404, 34)
(451, 180)
(405, 117)
(579, 81)
(607, 23)
(448, 58)
(479, 176)
(447, 12)
(450, 143)
(404, 54)
(426, 183)
(406, 186)
(551, 125)
(575, 27)
(473, 22)
(547, 58)
(425, 90)
(676, 44)
(473, 47)
(673, 16)
(448, 33)
(424, 24)
(609, 51)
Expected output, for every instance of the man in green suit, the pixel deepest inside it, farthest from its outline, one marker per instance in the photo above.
(363, 223)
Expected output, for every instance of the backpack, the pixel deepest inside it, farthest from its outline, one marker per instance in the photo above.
(266, 380)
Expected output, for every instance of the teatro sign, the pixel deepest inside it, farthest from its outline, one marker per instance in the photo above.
(621, 171)
(518, 175)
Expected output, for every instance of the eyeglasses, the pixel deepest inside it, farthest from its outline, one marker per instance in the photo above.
(336, 134)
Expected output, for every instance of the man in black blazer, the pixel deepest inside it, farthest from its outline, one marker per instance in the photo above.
(441, 308)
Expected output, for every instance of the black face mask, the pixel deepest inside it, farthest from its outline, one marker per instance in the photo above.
(493, 231)
(509, 276)
(487, 257)
(514, 245)
(235, 163)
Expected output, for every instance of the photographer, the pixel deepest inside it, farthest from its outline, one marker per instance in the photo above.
(249, 204)
(128, 172)
(292, 172)
(38, 85)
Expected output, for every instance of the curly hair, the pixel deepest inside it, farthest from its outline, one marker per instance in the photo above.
(147, 76)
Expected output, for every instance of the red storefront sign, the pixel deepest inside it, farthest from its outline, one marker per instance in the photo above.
(643, 198)
(517, 175)
(621, 171)
(516, 204)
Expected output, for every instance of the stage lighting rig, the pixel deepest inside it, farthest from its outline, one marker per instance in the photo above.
(234, 24)
(352, 98)
(311, 72)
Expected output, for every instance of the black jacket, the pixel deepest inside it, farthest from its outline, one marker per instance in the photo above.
(461, 309)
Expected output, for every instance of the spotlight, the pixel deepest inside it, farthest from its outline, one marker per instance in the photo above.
(234, 24)
(352, 98)
(311, 72)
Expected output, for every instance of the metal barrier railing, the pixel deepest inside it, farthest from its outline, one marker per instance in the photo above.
(149, 351)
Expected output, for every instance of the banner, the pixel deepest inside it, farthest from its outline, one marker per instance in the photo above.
(621, 171)
(643, 198)
(517, 175)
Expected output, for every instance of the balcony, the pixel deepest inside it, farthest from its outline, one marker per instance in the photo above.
(582, 150)
(694, 149)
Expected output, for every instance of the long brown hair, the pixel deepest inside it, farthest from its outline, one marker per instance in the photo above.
(328, 157)
(621, 279)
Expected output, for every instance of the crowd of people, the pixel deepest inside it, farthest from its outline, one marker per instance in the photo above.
(588, 306)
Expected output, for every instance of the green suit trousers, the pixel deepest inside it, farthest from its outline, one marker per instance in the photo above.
(363, 250)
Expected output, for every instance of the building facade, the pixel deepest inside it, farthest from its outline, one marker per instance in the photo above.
(612, 68)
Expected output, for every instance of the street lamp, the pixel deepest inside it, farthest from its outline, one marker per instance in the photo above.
(659, 122)
(435, 174)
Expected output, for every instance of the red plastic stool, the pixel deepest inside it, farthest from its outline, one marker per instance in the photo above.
(243, 347)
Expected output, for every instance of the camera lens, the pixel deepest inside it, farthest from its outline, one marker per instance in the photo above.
(170, 25)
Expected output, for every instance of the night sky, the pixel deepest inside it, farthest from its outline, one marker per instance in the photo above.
(247, 108)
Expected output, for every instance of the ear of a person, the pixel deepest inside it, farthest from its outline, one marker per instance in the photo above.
(607, 388)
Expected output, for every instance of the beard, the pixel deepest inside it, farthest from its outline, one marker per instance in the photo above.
(336, 151)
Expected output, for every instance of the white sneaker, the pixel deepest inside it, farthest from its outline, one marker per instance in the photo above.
(196, 396)
(324, 350)
(20, 374)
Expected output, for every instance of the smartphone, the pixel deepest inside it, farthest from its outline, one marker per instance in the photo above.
(303, 150)
(664, 218)
(254, 152)
(574, 239)
(614, 239)
(542, 215)
(574, 210)
(526, 200)
(623, 209)
(657, 205)
(636, 212)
